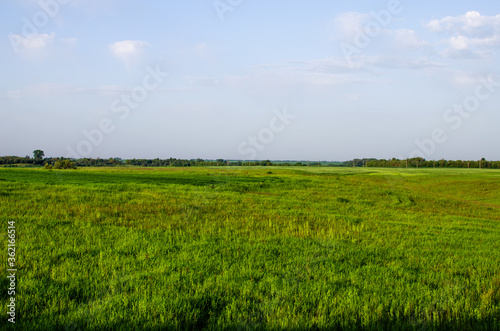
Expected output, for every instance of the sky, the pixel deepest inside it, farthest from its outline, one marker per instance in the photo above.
(239, 79)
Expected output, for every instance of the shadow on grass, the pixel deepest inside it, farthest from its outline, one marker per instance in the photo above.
(491, 323)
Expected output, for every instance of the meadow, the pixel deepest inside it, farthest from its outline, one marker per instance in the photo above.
(261, 248)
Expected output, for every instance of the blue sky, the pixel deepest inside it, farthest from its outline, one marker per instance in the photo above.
(238, 79)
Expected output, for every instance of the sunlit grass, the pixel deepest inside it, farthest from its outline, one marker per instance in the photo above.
(254, 248)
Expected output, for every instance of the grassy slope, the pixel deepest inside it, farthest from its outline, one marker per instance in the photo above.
(259, 248)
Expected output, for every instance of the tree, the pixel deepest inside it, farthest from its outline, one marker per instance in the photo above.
(38, 156)
(64, 164)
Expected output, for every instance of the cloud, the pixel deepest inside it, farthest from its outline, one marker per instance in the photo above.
(459, 42)
(392, 62)
(469, 36)
(470, 24)
(348, 24)
(286, 84)
(354, 28)
(463, 42)
(128, 50)
(369, 64)
(272, 81)
(204, 81)
(56, 90)
(128, 47)
(40, 46)
(408, 39)
(114, 90)
(318, 73)
(102, 90)
(35, 42)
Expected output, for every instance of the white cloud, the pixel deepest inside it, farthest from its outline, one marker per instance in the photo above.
(391, 62)
(348, 24)
(470, 24)
(128, 47)
(274, 84)
(102, 90)
(114, 90)
(332, 71)
(463, 42)
(464, 47)
(459, 42)
(370, 64)
(470, 36)
(129, 51)
(408, 39)
(204, 81)
(39, 46)
(37, 41)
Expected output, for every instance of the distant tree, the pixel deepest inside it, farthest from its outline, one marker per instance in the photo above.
(64, 164)
(38, 156)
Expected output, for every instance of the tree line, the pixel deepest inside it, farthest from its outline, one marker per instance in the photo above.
(38, 159)
(419, 162)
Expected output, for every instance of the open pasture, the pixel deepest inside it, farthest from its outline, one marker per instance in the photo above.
(253, 248)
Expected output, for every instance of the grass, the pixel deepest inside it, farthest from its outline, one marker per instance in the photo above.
(253, 248)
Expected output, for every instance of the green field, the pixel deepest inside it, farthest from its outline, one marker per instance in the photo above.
(253, 248)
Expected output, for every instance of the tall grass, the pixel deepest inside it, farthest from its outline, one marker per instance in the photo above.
(266, 248)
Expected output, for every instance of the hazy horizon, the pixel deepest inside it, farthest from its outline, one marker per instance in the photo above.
(250, 79)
